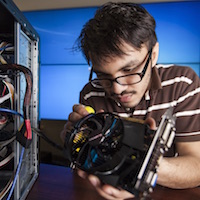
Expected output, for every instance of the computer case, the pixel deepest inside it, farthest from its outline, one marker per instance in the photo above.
(17, 31)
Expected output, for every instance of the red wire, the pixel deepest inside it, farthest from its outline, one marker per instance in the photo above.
(4, 90)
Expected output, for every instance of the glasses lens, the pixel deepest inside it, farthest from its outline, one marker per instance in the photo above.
(101, 83)
(123, 80)
(129, 79)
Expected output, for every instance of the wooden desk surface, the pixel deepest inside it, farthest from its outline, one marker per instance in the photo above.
(59, 183)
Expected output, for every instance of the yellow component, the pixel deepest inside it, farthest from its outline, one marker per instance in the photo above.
(78, 149)
(77, 137)
(89, 109)
(133, 157)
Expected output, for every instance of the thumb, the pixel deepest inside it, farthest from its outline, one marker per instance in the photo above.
(151, 122)
(100, 111)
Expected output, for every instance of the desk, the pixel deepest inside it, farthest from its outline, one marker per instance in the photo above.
(59, 183)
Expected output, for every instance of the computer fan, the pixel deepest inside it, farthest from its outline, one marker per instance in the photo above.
(122, 152)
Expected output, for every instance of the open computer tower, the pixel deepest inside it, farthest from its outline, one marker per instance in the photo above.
(19, 45)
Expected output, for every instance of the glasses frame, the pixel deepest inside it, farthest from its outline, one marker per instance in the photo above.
(141, 74)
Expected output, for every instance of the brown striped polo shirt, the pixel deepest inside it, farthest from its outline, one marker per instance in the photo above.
(171, 85)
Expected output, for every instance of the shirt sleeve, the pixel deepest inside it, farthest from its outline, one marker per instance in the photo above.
(187, 110)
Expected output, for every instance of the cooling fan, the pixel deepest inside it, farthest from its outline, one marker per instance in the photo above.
(122, 152)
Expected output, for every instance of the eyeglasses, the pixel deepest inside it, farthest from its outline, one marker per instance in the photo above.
(128, 79)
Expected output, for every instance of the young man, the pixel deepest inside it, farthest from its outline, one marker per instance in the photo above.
(121, 46)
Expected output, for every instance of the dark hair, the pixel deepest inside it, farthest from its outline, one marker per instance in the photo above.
(113, 24)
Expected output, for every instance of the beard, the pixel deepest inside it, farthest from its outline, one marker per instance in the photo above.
(114, 95)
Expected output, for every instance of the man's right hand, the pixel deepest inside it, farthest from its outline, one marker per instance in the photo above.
(79, 111)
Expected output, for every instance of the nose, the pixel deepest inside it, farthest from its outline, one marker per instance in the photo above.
(117, 88)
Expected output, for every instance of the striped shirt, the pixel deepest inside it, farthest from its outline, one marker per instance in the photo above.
(171, 86)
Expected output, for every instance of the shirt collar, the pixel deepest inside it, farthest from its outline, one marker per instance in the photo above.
(155, 83)
(155, 79)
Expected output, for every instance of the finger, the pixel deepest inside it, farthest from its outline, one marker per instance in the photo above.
(151, 122)
(98, 186)
(80, 109)
(105, 195)
(82, 174)
(62, 135)
(94, 180)
(117, 193)
(108, 191)
(100, 111)
(74, 117)
(67, 127)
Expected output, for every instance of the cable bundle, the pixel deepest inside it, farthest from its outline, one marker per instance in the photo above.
(7, 114)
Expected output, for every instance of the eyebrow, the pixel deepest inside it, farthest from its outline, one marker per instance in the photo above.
(129, 64)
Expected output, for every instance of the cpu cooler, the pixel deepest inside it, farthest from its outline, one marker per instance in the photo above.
(122, 152)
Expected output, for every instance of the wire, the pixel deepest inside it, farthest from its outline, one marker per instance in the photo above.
(7, 47)
(27, 97)
(17, 173)
(2, 60)
(6, 188)
(5, 97)
(6, 142)
(47, 139)
(26, 114)
(7, 159)
(11, 112)
(29, 81)
(11, 92)
(4, 90)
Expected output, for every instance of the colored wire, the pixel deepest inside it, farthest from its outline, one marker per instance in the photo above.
(26, 106)
(2, 60)
(29, 81)
(11, 92)
(5, 97)
(17, 173)
(3, 91)
(6, 188)
(7, 47)
(27, 97)
(5, 110)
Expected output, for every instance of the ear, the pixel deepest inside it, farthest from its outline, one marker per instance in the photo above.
(155, 53)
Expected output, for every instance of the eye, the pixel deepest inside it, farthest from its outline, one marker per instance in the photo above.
(127, 70)
(101, 75)
(131, 69)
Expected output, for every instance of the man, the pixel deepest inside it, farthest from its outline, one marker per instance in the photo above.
(121, 46)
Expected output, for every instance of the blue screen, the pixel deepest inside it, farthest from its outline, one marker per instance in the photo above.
(58, 31)
(178, 31)
(59, 89)
(64, 72)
